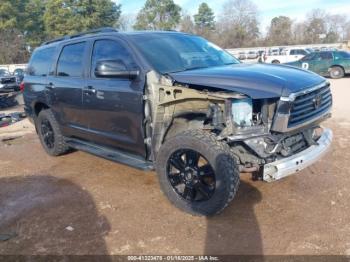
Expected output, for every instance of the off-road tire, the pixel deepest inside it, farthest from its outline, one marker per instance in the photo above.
(336, 72)
(218, 156)
(60, 147)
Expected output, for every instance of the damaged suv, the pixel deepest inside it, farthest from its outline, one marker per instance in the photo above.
(178, 104)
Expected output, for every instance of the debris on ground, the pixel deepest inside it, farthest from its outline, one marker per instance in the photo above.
(69, 228)
(9, 140)
(8, 99)
(8, 119)
(5, 237)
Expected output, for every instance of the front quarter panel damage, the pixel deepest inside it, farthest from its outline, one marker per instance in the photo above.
(166, 103)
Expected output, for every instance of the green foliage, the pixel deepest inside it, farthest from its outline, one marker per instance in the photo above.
(205, 17)
(32, 24)
(158, 15)
(71, 16)
(9, 13)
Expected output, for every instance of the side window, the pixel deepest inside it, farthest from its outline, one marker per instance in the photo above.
(110, 50)
(345, 55)
(293, 52)
(41, 62)
(326, 56)
(70, 62)
(302, 52)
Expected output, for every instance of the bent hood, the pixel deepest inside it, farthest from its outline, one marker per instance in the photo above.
(255, 80)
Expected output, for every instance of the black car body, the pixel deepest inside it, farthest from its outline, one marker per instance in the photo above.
(179, 104)
(7, 81)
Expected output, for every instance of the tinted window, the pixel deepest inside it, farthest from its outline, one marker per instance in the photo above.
(71, 59)
(18, 72)
(110, 50)
(41, 62)
(343, 54)
(326, 55)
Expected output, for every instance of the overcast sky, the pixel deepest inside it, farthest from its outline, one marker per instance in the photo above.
(295, 9)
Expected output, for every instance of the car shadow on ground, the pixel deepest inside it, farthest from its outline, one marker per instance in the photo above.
(47, 215)
(236, 230)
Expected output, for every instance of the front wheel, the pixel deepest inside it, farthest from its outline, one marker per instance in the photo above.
(336, 72)
(275, 62)
(197, 173)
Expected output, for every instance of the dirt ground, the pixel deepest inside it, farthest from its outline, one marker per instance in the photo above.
(82, 204)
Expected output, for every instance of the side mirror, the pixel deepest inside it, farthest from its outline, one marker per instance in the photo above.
(114, 69)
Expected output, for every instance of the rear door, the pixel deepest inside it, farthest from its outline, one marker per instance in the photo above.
(66, 85)
(40, 66)
(114, 106)
(323, 63)
(342, 58)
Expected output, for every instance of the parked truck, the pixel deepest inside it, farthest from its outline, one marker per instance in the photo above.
(286, 56)
(180, 105)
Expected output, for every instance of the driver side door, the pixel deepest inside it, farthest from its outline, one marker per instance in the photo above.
(114, 105)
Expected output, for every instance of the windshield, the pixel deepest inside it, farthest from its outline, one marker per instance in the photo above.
(4, 72)
(179, 52)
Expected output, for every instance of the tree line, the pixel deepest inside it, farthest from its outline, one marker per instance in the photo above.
(24, 24)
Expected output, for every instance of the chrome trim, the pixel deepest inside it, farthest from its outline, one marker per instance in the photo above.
(292, 96)
(280, 122)
(293, 164)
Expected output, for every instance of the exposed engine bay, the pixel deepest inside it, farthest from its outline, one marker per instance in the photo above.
(244, 123)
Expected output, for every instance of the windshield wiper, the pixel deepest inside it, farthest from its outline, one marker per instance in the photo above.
(187, 69)
(195, 67)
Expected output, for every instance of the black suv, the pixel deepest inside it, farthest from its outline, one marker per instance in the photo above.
(178, 104)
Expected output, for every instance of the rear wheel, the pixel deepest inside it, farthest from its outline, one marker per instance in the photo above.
(336, 72)
(50, 134)
(275, 62)
(197, 172)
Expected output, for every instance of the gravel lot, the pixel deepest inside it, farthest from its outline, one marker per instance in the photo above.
(82, 204)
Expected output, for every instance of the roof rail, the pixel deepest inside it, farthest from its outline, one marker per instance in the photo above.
(95, 31)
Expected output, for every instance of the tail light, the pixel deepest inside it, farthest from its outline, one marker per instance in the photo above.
(21, 86)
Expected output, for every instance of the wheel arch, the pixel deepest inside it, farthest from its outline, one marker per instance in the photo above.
(39, 106)
(184, 121)
(337, 65)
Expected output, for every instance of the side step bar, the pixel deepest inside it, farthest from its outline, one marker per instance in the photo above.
(111, 154)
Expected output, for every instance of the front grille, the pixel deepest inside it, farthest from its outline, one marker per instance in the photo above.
(8, 80)
(310, 106)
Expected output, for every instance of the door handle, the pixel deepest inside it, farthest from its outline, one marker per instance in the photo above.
(50, 86)
(89, 90)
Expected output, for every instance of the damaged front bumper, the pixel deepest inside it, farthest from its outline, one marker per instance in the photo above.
(291, 165)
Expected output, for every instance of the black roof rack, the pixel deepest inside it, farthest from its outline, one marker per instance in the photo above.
(95, 31)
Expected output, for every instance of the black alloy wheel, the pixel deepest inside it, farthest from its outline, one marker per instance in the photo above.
(47, 134)
(191, 175)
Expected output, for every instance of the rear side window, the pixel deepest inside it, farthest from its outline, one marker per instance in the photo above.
(70, 63)
(343, 55)
(110, 50)
(326, 56)
(41, 62)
